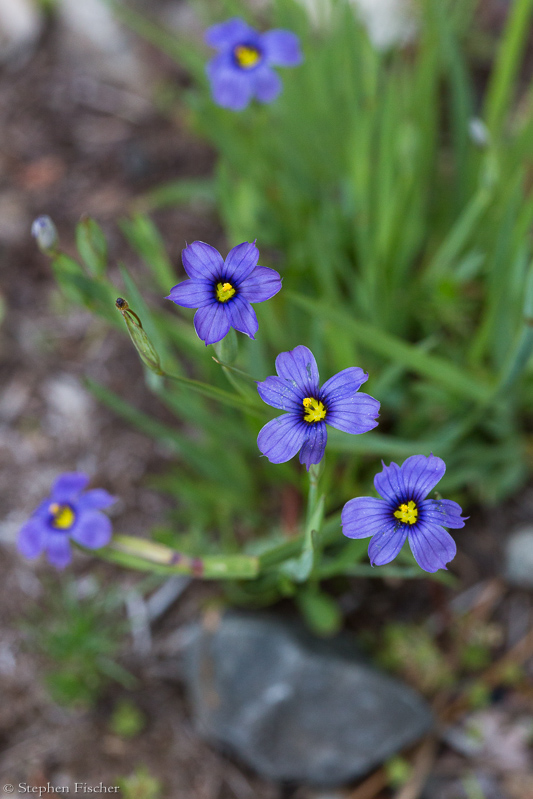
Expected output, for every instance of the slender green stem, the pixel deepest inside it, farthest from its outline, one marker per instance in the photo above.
(312, 501)
(524, 348)
(500, 93)
(138, 553)
(219, 394)
(151, 359)
(235, 370)
(518, 361)
(328, 534)
(313, 491)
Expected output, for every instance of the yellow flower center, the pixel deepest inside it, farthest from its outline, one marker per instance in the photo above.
(246, 56)
(62, 516)
(314, 410)
(407, 514)
(225, 292)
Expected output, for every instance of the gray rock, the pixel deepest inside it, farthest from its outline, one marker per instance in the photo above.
(519, 558)
(100, 45)
(296, 708)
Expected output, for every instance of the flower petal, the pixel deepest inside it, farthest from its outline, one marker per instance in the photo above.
(443, 512)
(432, 546)
(344, 384)
(242, 316)
(354, 415)
(385, 545)
(193, 293)
(97, 499)
(315, 444)
(266, 84)
(68, 486)
(261, 285)
(389, 484)
(229, 33)
(31, 538)
(281, 438)
(365, 516)
(299, 366)
(202, 262)
(420, 474)
(43, 510)
(58, 550)
(211, 323)
(241, 261)
(280, 394)
(232, 87)
(93, 530)
(281, 48)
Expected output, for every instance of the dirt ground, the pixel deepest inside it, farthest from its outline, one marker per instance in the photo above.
(75, 141)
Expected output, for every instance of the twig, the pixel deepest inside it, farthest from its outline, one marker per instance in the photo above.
(423, 762)
(371, 786)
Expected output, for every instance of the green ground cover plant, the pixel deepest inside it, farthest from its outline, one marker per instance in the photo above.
(393, 194)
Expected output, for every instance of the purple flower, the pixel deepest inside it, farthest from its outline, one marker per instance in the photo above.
(243, 67)
(405, 513)
(66, 514)
(223, 290)
(309, 407)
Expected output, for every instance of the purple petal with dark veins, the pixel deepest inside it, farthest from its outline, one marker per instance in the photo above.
(365, 516)
(432, 546)
(299, 366)
(420, 474)
(389, 484)
(314, 444)
(443, 512)
(242, 316)
(281, 438)
(344, 384)
(261, 285)
(211, 323)
(240, 262)
(281, 394)
(354, 415)
(386, 545)
(202, 262)
(193, 293)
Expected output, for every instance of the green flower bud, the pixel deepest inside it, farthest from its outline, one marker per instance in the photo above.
(142, 343)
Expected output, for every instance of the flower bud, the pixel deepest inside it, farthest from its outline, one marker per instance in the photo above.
(140, 340)
(45, 233)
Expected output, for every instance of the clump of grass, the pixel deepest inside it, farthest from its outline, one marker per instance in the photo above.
(80, 640)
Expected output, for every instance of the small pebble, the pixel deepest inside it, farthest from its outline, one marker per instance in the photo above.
(519, 558)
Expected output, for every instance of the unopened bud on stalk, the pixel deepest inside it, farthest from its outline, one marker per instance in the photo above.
(44, 232)
(142, 343)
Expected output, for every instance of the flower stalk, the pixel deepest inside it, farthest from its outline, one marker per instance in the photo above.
(144, 555)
